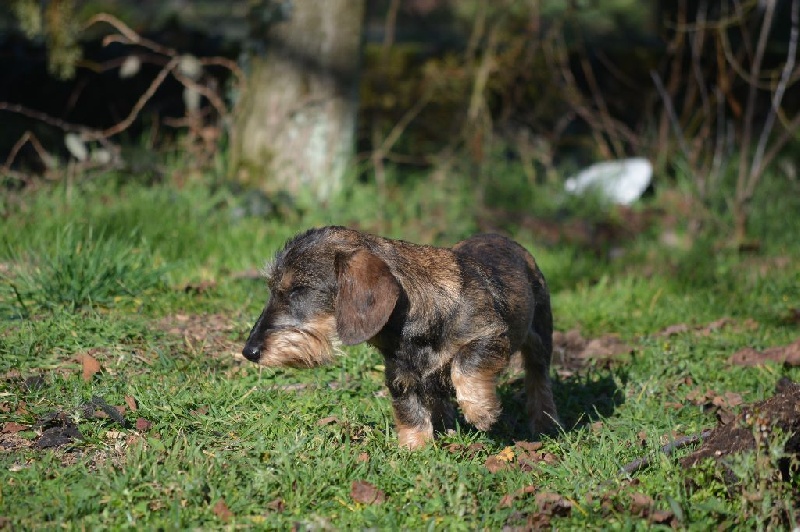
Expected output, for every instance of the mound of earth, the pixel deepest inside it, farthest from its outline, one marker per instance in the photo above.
(782, 411)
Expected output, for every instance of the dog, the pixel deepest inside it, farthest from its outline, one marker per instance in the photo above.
(445, 319)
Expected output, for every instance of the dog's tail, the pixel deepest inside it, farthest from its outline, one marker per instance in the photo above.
(537, 354)
(542, 314)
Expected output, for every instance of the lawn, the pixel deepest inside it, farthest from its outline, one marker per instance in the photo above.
(125, 403)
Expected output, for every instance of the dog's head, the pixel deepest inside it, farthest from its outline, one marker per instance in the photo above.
(326, 287)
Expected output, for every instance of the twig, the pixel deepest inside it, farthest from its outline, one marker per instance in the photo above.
(670, 110)
(126, 122)
(777, 98)
(44, 117)
(127, 35)
(669, 449)
(112, 412)
(750, 108)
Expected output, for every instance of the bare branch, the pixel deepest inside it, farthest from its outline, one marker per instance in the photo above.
(777, 98)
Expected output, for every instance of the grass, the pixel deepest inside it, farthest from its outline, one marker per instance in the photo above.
(146, 281)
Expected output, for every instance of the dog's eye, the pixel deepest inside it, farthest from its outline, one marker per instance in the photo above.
(298, 291)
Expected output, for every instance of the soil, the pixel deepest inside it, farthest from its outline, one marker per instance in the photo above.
(780, 411)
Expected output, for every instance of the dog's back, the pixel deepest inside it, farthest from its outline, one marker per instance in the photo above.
(513, 270)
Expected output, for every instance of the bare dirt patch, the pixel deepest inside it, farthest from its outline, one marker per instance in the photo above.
(760, 420)
(213, 334)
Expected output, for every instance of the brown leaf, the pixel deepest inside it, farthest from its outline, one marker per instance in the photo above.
(494, 464)
(100, 414)
(641, 504)
(454, 448)
(201, 411)
(143, 425)
(553, 504)
(363, 458)
(327, 421)
(787, 354)
(506, 501)
(90, 366)
(528, 446)
(276, 505)
(222, 511)
(672, 330)
(662, 517)
(11, 427)
(365, 493)
(131, 402)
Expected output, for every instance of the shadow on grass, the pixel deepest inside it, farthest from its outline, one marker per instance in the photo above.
(581, 399)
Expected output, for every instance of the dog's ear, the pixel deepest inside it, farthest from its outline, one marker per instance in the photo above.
(365, 297)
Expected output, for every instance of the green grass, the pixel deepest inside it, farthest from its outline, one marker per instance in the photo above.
(224, 430)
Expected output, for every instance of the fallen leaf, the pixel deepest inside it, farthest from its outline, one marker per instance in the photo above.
(494, 464)
(672, 330)
(100, 414)
(787, 354)
(363, 458)
(327, 421)
(143, 425)
(572, 351)
(506, 455)
(222, 511)
(641, 504)
(131, 402)
(201, 411)
(553, 504)
(365, 493)
(528, 446)
(454, 448)
(276, 505)
(11, 427)
(90, 366)
(662, 517)
(508, 500)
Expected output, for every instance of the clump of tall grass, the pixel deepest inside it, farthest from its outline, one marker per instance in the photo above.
(81, 267)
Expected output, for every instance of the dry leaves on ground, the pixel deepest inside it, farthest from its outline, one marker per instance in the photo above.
(222, 511)
(365, 493)
(709, 328)
(523, 456)
(785, 354)
(89, 365)
(780, 411)
(723, 406)
(209, 332)
(571, 351)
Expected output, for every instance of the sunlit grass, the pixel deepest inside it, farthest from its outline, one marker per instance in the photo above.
(281, 448)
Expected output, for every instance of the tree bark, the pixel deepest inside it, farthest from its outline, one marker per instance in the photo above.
(296, 124)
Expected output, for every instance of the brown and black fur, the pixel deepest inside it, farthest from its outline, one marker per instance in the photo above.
(444, 319)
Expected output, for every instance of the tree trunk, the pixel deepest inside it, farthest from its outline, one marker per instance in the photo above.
(296, 123)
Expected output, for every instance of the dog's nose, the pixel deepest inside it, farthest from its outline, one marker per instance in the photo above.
(251, 352)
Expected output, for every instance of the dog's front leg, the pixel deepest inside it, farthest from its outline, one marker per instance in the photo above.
(413, 416)
(412, 419)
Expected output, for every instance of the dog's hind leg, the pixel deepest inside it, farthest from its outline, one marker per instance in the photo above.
(541, 410)
(474, 374)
